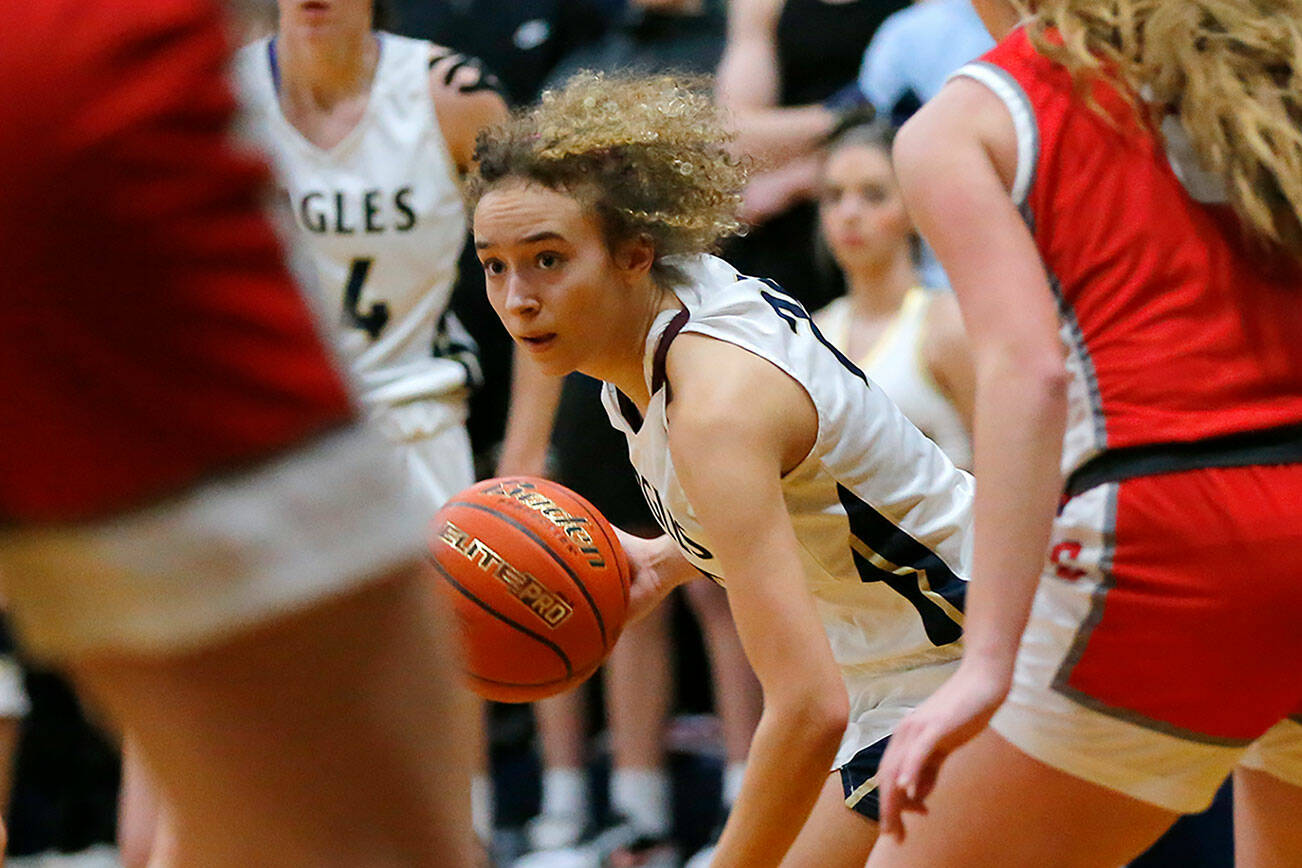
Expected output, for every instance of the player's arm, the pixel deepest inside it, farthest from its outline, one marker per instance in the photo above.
(770, 193)
(947, 353)
(736, 424)
(534, 398)
(748, 86)
(955, 160)
(467, 98)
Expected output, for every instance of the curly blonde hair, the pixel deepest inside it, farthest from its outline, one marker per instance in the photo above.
(647, 153)
(1231, 69)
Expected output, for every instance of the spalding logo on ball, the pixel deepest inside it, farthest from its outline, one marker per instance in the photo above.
(538, 581)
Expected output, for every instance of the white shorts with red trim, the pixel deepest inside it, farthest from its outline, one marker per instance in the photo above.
(1162, 645)
(222, 557)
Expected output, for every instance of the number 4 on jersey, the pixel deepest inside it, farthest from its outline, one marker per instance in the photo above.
(374, 320)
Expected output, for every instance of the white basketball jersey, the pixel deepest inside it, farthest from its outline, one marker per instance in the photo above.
(883, 518)
(896, 364)
(382, 217)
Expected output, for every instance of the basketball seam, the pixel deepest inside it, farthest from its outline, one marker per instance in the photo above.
(447, 576)
(592, 604)
(626, 579)
(553, 682)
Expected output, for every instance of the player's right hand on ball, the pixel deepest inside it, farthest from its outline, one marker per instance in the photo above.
(657, 569)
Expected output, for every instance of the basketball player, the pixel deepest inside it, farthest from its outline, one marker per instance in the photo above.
(909, 340)
(196, 526)
(770, 461)
(369, 133)
(1121, 184)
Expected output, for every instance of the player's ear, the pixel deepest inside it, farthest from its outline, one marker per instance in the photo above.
(636, 255)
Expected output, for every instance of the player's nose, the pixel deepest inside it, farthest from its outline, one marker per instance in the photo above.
(521, 299)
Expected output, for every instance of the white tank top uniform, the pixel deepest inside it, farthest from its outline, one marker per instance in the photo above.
(381, 216)
(882, 516)
(896, 363)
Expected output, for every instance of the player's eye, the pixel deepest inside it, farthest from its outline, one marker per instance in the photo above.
(494, 266)
(548, 261)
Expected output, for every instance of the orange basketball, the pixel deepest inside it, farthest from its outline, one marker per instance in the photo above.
(538, 581)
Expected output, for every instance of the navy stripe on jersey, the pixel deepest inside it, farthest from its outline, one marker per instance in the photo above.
(884, 537)
(671, 331)
(789, 310)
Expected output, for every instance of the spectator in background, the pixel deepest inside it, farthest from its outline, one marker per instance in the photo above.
(788, 75)
(908, 339)
(906, 63)
(654, 36)
(915, 50)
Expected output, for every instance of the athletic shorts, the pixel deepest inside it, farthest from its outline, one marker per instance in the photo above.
(223, 556)
(1164, 644)
(433, 449)
(878, 702)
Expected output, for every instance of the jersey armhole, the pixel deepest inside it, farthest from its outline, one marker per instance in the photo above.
(1019, 108)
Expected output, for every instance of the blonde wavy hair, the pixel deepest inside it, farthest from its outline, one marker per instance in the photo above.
(1231, 69)
(647, 153)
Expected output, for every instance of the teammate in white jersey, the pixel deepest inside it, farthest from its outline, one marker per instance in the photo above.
(909, 340)
(369, 133)
(772, 463)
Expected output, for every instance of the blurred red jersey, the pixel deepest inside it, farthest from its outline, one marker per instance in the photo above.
(150, 333)
(1178, 328)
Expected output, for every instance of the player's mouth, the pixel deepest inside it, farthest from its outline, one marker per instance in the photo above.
(538, 342)
(314, 6)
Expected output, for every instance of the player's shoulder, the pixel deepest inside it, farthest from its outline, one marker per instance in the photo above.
(712, 288)
(834, 312)
(466, 96)
(967, 109)
(251, 64)
(943, 328)
(257, 50)
(453, 74)
(720, 361)
(941, 310)
(719, 389)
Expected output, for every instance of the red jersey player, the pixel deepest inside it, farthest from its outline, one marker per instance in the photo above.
(1152, 239)
(195, 526)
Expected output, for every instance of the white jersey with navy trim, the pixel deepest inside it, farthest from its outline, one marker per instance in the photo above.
(382, 218)
(882, 517)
